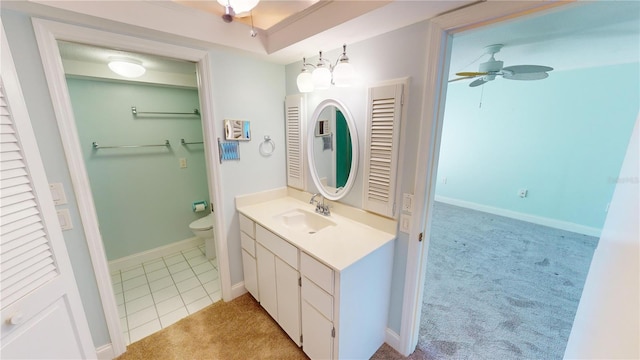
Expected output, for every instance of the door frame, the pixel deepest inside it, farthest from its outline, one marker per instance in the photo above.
(440, 32)
(47, 33)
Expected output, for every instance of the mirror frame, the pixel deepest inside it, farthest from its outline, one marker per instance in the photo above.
(353, 171)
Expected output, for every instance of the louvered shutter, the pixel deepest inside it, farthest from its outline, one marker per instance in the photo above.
(26, 258)
(294, 118)
(381, 155)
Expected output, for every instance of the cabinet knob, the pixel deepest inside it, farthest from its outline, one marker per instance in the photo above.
(16, 319)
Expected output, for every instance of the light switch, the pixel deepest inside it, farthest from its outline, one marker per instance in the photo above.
(64, 217)
(57, 193)
(405, 223)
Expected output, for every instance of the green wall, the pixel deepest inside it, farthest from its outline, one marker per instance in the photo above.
(562, 138)
(142, 196)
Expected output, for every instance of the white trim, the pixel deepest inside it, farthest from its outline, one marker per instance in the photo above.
(439, 35)
(392, 338)
(144, 256)
(105, 352)
(47, 33)
(557, 224)
(238, 289)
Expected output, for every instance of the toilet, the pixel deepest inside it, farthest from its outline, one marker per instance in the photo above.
(203, 228)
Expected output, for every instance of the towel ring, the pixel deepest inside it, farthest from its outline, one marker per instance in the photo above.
(267, 147)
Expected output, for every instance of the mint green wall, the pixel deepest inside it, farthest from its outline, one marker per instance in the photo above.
(562, 138)
(143, 198)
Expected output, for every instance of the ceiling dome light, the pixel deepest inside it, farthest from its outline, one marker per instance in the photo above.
(127, 67)
(239, 6)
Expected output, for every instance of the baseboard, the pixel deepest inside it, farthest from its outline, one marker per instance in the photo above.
(105, 352)
(557, 224)
(238, 289)
(392, 339)
(135, 259)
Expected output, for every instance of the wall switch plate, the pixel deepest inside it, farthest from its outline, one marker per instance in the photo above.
(183, 163)
(64, 217)
(57, 193)
(405, 223)
(407, 203)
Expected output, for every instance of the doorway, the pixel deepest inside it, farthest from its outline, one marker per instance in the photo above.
(47, 34)
(442, 30)
(147, 171)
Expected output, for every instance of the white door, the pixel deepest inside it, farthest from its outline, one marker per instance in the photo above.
(317, 333)
(267, 280)
(41, 312)
(288, 294)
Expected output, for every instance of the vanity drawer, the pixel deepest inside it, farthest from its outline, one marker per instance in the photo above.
(319, 273)
(318, 298)
(278, 246)
(247, 225)
(248, 243)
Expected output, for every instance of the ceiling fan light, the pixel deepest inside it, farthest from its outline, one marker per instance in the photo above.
(127, 67)
(305, 81)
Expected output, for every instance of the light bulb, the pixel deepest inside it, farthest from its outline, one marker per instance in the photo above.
(305, 81)
(344, 74)
(321, 77)
(239, 6)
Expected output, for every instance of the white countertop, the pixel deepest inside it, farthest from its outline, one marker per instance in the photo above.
(336, 246)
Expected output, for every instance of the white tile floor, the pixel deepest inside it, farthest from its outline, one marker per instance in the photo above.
(156, 294)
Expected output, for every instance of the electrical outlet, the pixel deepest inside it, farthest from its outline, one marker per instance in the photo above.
(183, 163)
(523, 193)
(444, 180)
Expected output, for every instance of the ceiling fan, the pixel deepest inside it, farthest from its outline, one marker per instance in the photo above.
(488, 70)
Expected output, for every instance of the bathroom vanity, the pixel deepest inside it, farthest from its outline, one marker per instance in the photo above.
(325, 279)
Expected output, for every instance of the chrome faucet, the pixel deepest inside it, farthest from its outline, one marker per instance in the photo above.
(321, 208)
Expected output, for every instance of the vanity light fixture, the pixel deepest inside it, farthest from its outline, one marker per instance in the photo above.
(126, 67)
(342, 74)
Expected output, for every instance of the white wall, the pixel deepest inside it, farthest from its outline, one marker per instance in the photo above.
(607, 322)
(394, 55)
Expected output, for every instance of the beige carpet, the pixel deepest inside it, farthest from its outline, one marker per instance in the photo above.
(240, 329)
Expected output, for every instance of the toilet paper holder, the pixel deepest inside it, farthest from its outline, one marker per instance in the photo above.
(198, 206)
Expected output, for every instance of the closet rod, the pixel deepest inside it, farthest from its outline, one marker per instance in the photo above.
(190, 143)
(98, 146)
(136, 112)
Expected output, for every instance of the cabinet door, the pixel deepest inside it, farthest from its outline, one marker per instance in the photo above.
(267, 280)
(250, 269)
(288, 293)
(317, 331)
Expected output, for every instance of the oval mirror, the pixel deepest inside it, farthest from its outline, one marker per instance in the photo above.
(332, 148)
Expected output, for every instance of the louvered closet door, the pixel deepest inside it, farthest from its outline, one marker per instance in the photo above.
(381, 156)
(294, 116)
(40, 307)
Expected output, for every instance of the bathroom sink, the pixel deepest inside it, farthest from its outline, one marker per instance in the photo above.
(304, 221)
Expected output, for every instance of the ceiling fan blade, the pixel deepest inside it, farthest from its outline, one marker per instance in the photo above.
(471, 73)
(478, 82)
(462, 78)
(526, 69)
(526, 76)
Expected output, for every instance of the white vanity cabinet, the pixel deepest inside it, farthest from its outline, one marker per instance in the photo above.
(249, 265)
(329, 293)
(278, 280)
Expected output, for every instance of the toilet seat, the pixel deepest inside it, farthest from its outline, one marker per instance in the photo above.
(205, 223)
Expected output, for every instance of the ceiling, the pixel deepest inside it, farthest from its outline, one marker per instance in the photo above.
(583, 34)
